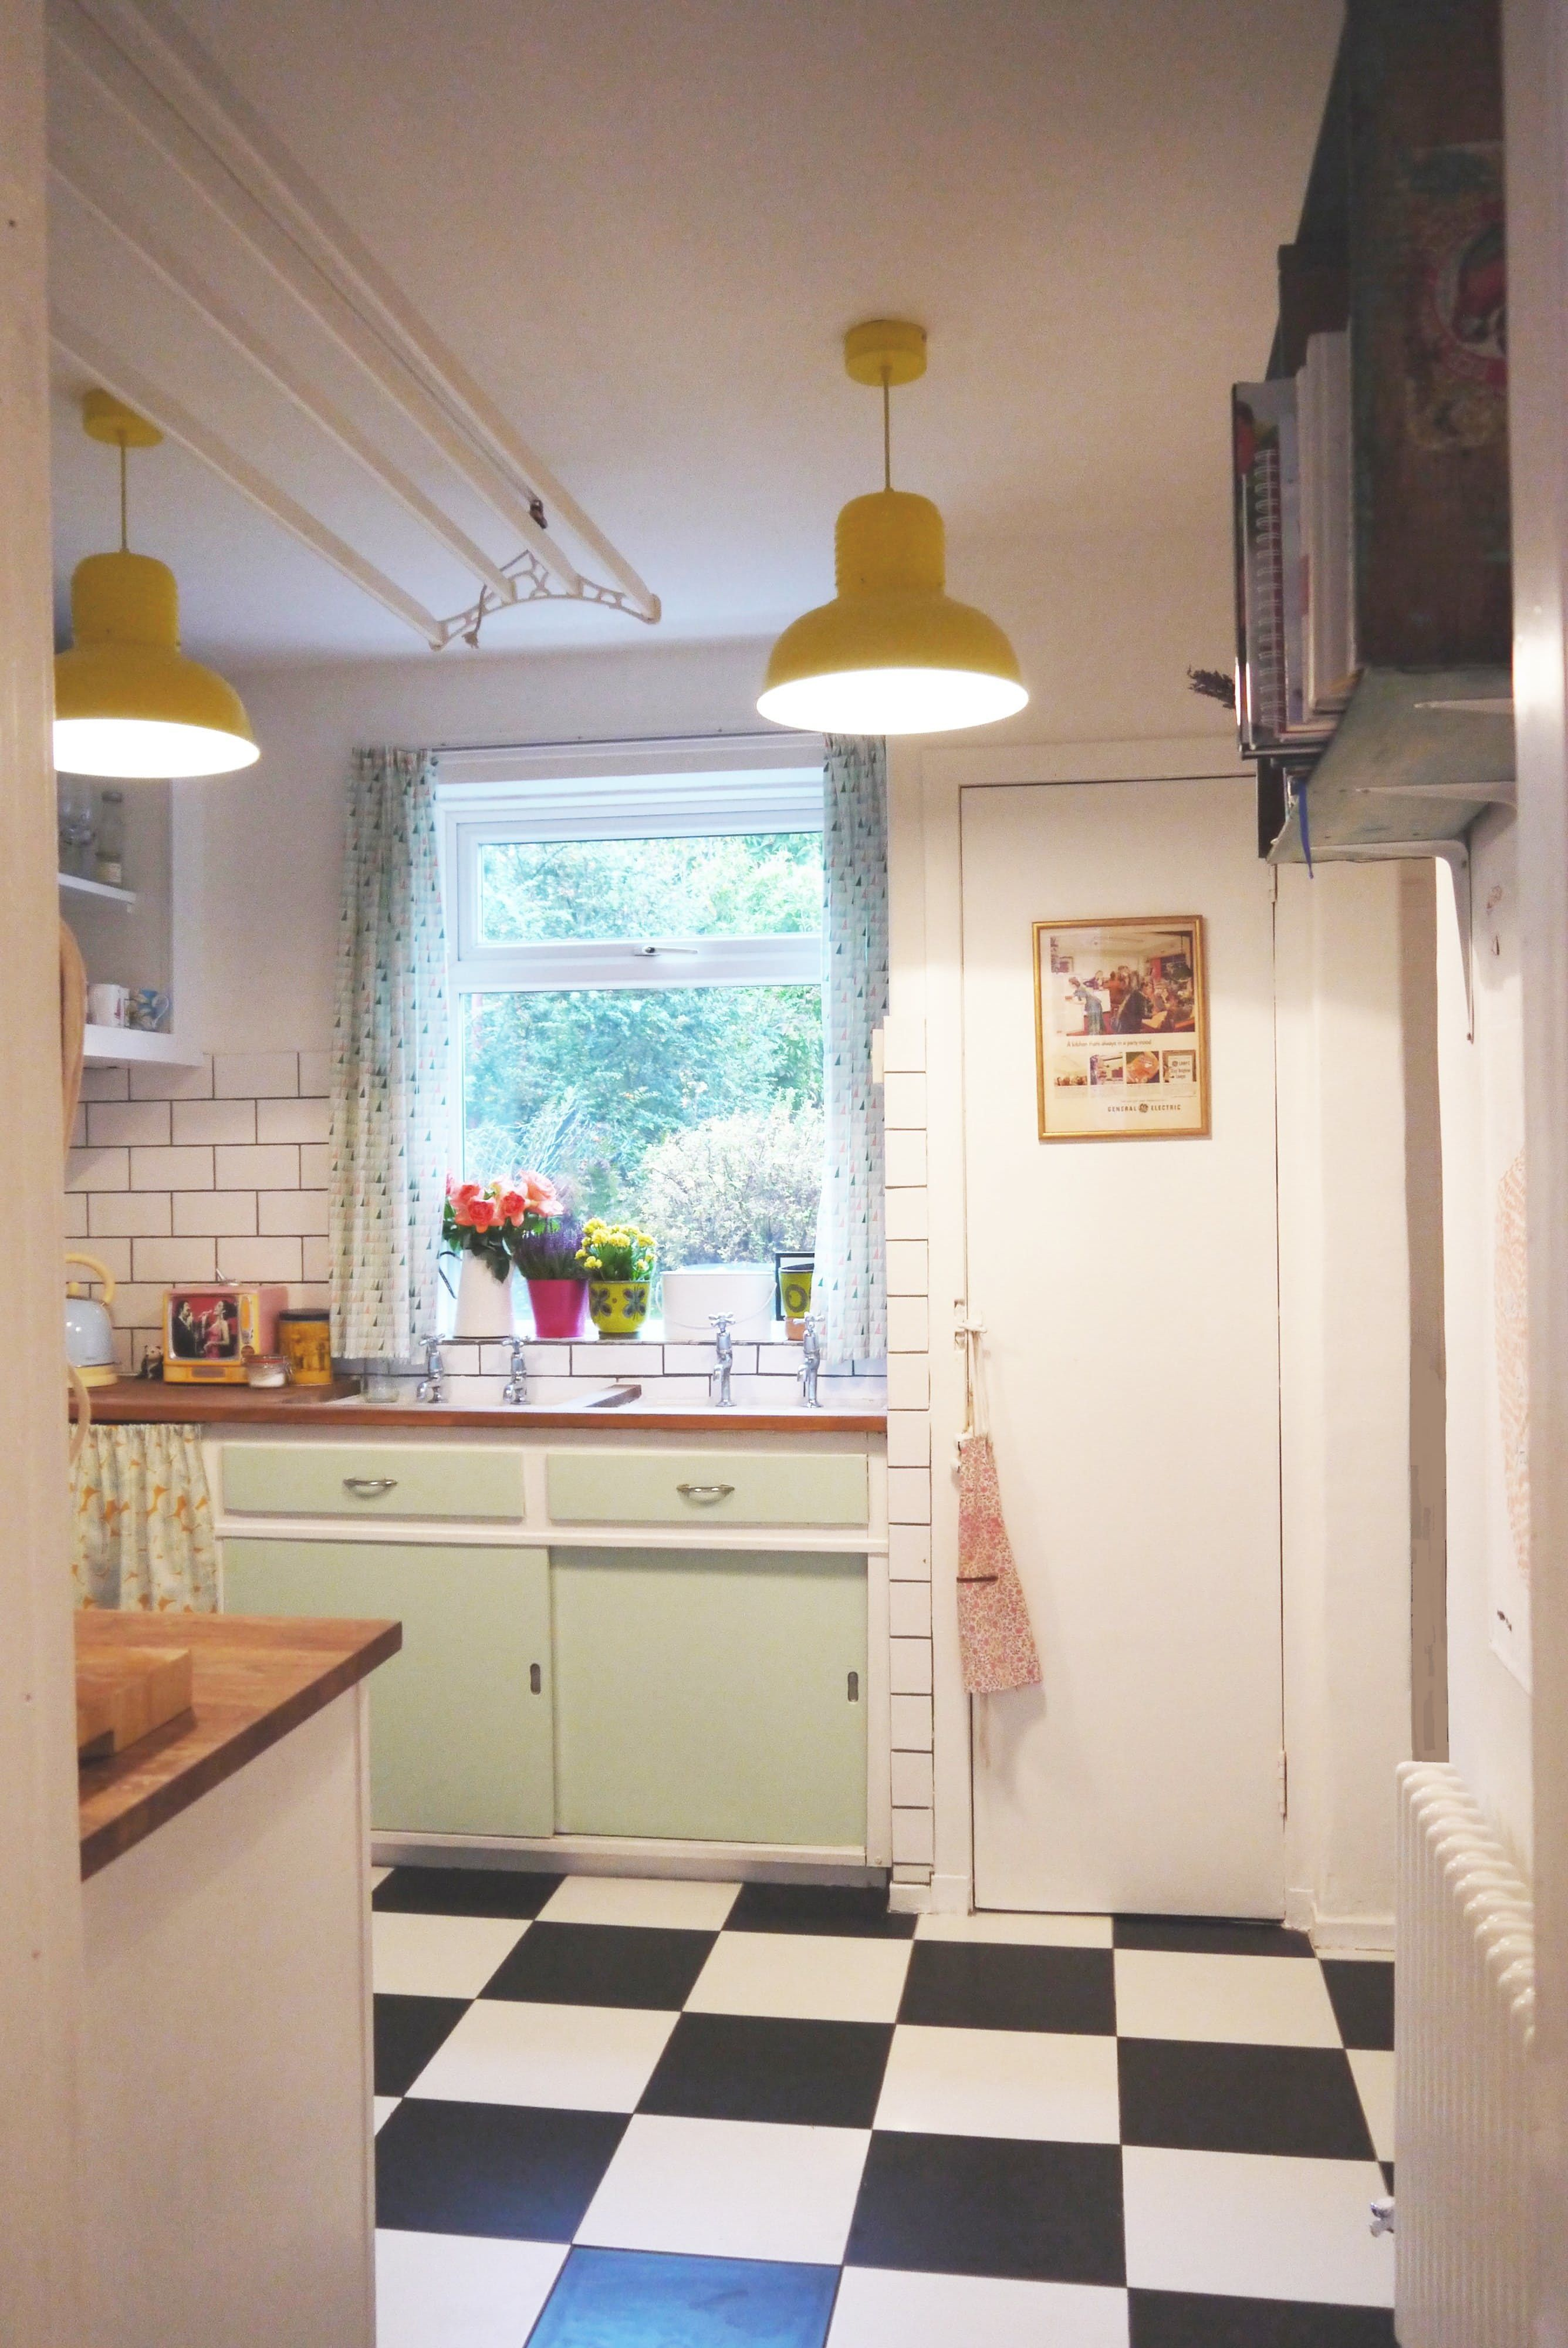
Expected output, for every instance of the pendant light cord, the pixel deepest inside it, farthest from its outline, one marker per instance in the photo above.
(886, 433)
(123, 534)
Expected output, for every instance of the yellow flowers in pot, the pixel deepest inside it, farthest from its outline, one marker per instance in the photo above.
(619, 1263)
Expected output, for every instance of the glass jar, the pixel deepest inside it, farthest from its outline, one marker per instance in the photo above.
(108, 856)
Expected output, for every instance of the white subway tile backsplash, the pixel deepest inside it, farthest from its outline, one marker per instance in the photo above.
(293, 1120)
(274, 1167)
(214, 1120)
(315, 1072)
(908, 1382)
(318, 1260)
(909, 1610)
(293, 1210)
(912, 1781)
(260, 1259)
(910, 1552)
(908, 1439)
(175, 1260)
(129, 1214)
(908, 1496)
(909, 1667)
(105, 1085)
(114, 1257)
(311, 1292)
(113, 1123)
(255, 1075)
(78, 1140)
(616, 1359)
(98, 1169)
(903, 1102)
(906, 1214)
(139, 1306)
(912, 1837)
(907, 1270)
(172, 1169)
(904, 1160)
(150, 1081)
(75, 1222)
(909, 1325)
(911, 1722)
(221, 1212)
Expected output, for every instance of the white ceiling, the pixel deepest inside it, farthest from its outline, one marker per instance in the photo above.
(643, 225)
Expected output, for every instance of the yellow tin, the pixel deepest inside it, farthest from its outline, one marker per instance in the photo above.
(305, 1341)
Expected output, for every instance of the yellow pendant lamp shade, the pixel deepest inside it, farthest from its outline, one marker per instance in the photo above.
(893, 653)
(127, 702)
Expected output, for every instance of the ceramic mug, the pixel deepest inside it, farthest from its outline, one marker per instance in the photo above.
(108, 1004)
(148, 1009)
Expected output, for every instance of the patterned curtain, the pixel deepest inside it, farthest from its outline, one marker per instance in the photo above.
(390, 1135)
(849, 1286)
(142, 1521)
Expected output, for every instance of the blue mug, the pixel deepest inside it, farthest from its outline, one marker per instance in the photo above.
(148, 1009)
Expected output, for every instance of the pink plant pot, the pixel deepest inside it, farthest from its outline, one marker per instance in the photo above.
(561, 1307)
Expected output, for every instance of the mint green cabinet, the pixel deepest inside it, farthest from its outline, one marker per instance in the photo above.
(716, 1695)
(603, 1485)
(460, 1734)
(372, 1479)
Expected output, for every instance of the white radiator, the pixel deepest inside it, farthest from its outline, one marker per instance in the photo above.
(1465, 2000)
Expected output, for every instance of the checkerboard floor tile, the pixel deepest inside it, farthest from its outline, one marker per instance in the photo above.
(771, 2117)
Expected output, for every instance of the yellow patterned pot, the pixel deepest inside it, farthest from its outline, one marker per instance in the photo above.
(617, 1308)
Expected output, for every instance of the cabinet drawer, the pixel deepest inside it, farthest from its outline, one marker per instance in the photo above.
(364, 1479)
(727, 1488)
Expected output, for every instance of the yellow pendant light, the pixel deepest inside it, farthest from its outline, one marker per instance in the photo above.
(128, 703)
(892, 654)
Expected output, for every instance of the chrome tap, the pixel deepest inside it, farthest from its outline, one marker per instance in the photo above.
(517, 1386)
(719, 1376)
(811, 1361)
(429, 1388)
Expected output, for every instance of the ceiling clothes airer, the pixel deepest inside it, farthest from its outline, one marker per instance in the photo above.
(996, 1643)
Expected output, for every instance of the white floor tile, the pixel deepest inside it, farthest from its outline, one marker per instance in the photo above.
(1372, 2068)
(1253, 2226)
(803, 1976)
(1247, 2001)
(1001, 2083)
(1019, 1931)
(439, 1956)
(576, 2058)
(877, 2309)
(460, 2291)
(385, 2105)
(673, 1906)
(730, 2188)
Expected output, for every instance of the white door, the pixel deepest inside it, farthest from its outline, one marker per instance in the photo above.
(1130, 1292)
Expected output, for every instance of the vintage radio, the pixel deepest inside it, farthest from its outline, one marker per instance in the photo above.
(209, 1330)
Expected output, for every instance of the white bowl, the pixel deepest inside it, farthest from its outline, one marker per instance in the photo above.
(697, 1290)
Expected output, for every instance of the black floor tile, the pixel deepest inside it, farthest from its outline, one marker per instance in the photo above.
(648, 2299)
(980, 2206)
(603, 1964)
(464, 1891)
(966, 1985)
(1180, 2318)
(1202, 2097)
(856, 1912)
(500, 2169)
(1361, 1991)
(1209, 1936)
(735, 2066)
(408, 2030)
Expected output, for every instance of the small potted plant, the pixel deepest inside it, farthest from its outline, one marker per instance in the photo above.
(545, 1251)
(619, 1261)
(477, 1224)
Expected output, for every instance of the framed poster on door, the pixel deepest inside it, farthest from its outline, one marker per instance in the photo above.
(1120, 1029)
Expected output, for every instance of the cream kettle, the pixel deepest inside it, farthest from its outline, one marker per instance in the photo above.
(90, 1332)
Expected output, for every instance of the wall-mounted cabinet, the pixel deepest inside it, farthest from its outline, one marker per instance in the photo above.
(127, 931)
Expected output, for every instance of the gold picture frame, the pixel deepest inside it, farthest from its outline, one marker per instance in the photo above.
(1121, 1028)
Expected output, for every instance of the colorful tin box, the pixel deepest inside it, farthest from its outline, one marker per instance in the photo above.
(209, 1331)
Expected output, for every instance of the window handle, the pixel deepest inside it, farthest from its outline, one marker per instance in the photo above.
(705, 1494)
(369, 1487)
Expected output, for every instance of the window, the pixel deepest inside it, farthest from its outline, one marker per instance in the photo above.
(637, 970)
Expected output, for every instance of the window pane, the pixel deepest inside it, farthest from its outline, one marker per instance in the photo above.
(736, 885)
(694, 1110)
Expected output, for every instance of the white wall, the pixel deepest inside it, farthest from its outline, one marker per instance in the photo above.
(1482, 1097)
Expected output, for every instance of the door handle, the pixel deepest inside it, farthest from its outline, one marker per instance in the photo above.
(535, 1680)
(369, 1487)
(705, 1494)
(853, 1691)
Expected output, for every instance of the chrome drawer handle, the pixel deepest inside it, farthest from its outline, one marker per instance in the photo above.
(705, 1493)
(369, 1487)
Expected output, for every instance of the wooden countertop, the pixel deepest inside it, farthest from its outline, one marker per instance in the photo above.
(130, 1400)
(256, 1678)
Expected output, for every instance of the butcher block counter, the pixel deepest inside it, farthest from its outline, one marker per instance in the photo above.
(227, 2080)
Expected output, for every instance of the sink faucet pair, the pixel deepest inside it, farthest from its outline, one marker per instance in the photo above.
(721, 1375)
(430, 1388)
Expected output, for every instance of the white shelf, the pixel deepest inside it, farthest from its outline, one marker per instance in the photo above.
(78, 886)
(116, 1046)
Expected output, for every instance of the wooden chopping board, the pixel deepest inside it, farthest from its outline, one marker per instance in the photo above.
(124, 1693)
